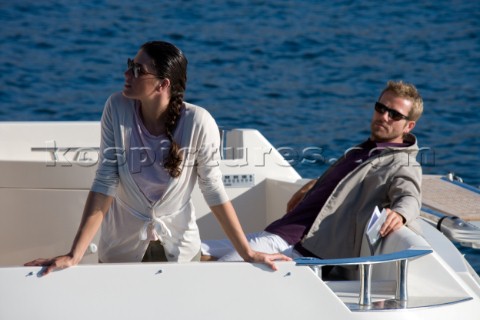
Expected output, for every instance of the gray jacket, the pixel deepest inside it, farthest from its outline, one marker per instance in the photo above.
(391, 179)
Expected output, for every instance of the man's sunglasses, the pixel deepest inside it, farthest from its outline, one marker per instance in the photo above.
(393, 114)
(137, 69)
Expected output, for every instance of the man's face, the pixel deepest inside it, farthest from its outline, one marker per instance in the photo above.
(384, 128)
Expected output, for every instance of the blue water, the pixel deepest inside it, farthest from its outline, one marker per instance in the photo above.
(305, 73)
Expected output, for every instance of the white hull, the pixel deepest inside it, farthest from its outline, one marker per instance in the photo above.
(194, 291)
(42, 192)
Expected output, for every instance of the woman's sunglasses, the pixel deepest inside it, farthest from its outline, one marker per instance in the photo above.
(137, 69)
(393, 114)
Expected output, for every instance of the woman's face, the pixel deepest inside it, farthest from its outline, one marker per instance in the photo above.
(145, 82)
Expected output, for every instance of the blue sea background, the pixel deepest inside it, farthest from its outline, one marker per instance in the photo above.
(304, 73)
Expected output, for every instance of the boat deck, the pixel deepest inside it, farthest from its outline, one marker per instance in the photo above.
(452, 198)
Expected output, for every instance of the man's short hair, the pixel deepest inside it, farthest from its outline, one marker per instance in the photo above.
(407, 91)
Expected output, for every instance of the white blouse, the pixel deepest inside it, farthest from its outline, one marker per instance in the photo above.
(134, 214)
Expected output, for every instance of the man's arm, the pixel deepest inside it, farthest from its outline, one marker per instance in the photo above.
(405, 195)
(299, 195)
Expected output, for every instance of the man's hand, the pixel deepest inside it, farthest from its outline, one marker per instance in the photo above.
(393, 222)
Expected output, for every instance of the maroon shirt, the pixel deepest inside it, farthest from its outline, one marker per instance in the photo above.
(293, 226)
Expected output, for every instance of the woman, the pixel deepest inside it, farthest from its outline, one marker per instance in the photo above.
(154, 146)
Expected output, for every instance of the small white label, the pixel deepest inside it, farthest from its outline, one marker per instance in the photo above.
(239, 180)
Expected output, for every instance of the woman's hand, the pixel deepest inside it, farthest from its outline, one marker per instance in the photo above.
(268, 259)
(60, 262)
(227, 217)
(96, 207)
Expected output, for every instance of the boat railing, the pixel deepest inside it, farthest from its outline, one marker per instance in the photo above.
(365, 269)
(453, 227)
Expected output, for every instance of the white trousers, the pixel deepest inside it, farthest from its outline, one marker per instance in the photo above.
(260, 241)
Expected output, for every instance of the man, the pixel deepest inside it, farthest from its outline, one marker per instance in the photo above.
(327, 217)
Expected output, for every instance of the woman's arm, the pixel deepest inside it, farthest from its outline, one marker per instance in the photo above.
(210, 182)
(227, 217)
(96, 207)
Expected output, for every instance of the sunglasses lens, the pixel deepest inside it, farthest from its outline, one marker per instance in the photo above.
(137, 69)
(393, 114)
(131, 66)
(380, 108)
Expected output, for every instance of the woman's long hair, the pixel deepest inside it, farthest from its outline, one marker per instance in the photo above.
(170, 63)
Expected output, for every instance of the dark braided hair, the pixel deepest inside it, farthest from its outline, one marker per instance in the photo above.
(170, 63)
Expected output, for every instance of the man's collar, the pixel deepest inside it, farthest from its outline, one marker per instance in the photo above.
(383, 145)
